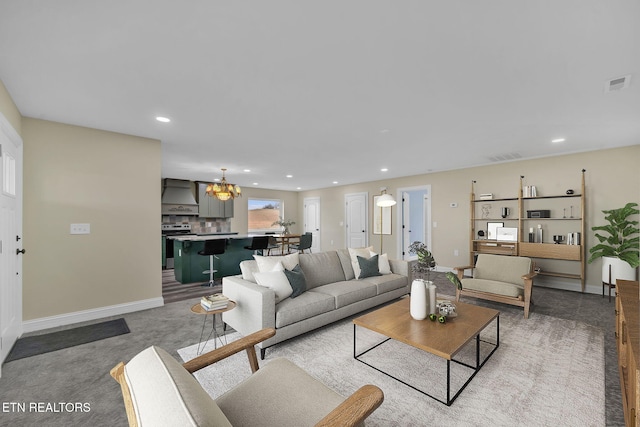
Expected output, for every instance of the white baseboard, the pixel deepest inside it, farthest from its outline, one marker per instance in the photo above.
(86, 315)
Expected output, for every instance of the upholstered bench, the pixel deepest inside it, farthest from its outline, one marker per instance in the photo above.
(505, 279)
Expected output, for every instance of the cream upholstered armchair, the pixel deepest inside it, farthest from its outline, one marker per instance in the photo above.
(500, 278)
(159, 391)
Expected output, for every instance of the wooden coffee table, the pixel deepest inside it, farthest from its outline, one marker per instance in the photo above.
(443, 340)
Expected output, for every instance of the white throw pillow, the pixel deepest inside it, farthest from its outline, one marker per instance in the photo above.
(277, 281)
(354, 253)
(383, 263)
(268, 263)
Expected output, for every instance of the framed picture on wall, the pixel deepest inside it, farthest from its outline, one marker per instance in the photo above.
(381, 218)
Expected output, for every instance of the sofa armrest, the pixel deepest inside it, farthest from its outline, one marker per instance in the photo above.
(399, 266)
(255, 305)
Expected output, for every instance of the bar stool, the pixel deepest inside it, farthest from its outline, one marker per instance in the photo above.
(258, 244)
(211, 249)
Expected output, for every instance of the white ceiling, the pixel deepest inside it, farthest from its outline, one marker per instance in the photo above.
(330, 90)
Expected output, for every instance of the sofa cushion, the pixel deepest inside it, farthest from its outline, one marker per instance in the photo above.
(348, 292)
(307, 305)
(277, 281)
(355, 253)
(345, 261)
(321, 268)
(297, 281)
(248, 268)
(164, 393)
(268, 263)
(383, 263)
(494, 287)
(368, 266)
(508, 269)
(387, 282)
(253, 402)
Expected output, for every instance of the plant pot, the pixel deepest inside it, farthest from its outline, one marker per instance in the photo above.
(619, 270)
(423, 299)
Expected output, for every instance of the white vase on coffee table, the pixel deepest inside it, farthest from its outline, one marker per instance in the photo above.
(419, 305)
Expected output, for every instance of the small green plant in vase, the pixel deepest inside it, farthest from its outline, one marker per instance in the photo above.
(426, 262)
(285, 224)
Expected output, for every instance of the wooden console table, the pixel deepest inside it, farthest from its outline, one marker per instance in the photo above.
(628, 346)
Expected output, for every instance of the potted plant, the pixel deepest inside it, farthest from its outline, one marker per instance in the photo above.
(618, 245)
(285, 224)
(423, 292)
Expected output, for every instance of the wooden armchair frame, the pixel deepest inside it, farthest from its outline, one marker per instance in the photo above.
(525, 302)
(353, 411)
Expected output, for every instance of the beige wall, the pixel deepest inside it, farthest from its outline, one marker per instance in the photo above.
(612, 179)
(9, 110)
(109, 180)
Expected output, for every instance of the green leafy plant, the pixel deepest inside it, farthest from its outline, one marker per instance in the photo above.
(453, 278)
(425, 264)
(621, 239)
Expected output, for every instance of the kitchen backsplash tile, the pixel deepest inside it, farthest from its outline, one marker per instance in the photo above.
(200, 225)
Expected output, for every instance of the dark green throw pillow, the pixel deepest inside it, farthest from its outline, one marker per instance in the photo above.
(368, 267)
(297, 280)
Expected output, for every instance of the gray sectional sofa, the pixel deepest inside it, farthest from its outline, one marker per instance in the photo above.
(332, 293)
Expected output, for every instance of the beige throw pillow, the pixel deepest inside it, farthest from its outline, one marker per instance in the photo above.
(268, 263)
(383, 263)
(354, 253)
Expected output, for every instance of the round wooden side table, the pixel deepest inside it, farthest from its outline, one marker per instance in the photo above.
(198, 309)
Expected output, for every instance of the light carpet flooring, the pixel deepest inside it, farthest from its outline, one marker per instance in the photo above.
(81, 374)
(545, 372)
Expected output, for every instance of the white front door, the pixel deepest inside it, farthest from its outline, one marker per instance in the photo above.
(312, 221)
(10, 238)
(356, 215)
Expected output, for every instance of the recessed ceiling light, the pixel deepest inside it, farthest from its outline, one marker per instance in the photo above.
(384, 170)
(298, 188)
(163, 119)
(255, 183)
(335, 182)
(247, 170)
(558, 140)
(289, 176)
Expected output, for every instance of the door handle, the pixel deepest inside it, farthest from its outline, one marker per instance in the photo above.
(20, 251)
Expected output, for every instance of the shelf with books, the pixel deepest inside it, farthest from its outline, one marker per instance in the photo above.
(560, 215)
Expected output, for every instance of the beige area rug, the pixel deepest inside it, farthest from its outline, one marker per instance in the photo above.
(546, 372)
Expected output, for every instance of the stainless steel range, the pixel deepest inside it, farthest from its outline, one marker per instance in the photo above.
(173, 230)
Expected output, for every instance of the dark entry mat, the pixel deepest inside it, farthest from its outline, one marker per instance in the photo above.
(39, 344)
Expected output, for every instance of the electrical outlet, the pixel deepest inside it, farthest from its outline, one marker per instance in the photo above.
(80, 229)
(455, 252)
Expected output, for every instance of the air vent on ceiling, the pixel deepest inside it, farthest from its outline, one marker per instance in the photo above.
(618, 83)
(505, 157)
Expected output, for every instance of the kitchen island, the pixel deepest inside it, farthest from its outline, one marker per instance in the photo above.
(189, 265)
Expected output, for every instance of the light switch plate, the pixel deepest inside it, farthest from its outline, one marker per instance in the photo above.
(80, 229)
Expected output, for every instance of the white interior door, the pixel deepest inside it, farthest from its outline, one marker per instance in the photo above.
(312, 221)
(356, 216)
(10, 237)
(406, 225)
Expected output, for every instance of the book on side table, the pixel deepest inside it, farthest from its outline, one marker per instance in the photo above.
(214, 302)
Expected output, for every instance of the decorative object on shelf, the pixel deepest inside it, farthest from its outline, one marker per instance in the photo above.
(486, 196)
(223, 191)
(539, 234)
(569, 192)
(492, 229)
(285, 224)
(480, 234)
(506, 212)
(531, 235)
(507, 234)
(620, 248)
(529, 191)
(558, 238)
(486, 211)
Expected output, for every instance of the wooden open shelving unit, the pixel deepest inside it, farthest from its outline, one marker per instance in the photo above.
(538, 251)
(628, 346)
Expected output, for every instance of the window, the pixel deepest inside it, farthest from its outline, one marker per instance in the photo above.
(263, 213)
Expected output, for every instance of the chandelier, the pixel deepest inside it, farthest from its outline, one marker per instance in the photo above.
(223, 190)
